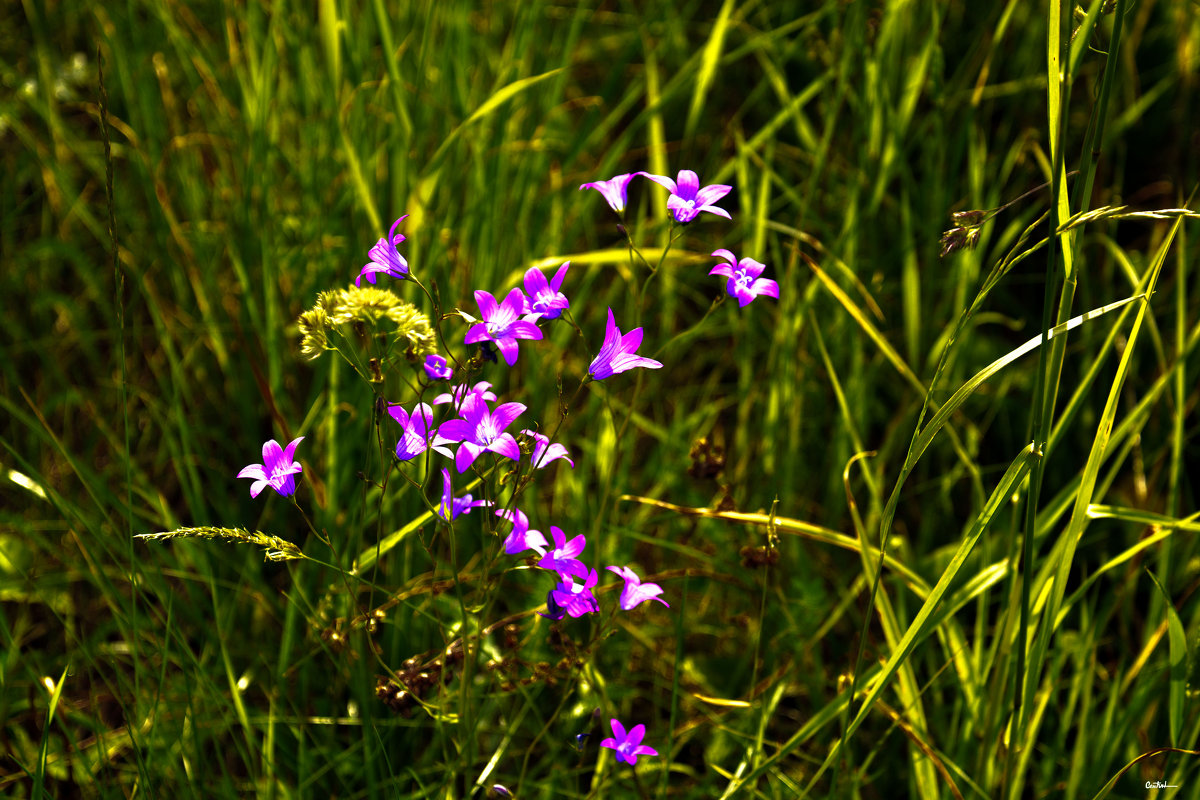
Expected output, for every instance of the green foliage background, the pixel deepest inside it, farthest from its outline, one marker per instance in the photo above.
(258, 150)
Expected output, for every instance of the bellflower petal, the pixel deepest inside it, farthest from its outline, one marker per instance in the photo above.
(613, 190)
(417, 426)
(479, 429)
(628, 746)
(521, 538)
(385, 258)
(545, 299)
(635, 592)
(483, 389)
(277, 470)
(500, 324)
(744, 283)
(617, 352)
(437, 369)
(544, 452)
(562, 559)
(687, 199)
(572, 598)
(452, 507)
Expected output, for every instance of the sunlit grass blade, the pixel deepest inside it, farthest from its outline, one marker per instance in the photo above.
(868, 328)
(489, 106)
(710, 61)
(1112, 783)
(1001, 494)
(1083, 496)
(960, 395)
(56, 690)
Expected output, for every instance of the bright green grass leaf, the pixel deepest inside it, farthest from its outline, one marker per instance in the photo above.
(39, 776)
(710, 62)
(1178, 654)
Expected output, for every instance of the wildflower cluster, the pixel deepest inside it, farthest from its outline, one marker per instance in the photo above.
(466, 430)
(686, 202)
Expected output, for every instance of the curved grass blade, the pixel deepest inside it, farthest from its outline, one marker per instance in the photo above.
(1108, 787)
(1013, 476)
(878, 677)
(39, 775)
(1177, 649)
(1087, 485)
(964, 391)
(498, 99)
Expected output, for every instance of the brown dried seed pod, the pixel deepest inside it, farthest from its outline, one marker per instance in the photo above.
(707, 459)
(511, 639)
(755, 557)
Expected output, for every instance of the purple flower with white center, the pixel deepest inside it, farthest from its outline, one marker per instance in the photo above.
(483, 389)
(571, 598)
(617, 352)
(628, 745)
(385, 258)
(500, 323)
(436, 368)
(276, 470)
(544, 300)
(688, 199)
(744, 283)
(562, 558)
(544, 452)
(613, 190)
(481, 429)
(635, 592)
(521, 538)
(455, 505)
(417, 427)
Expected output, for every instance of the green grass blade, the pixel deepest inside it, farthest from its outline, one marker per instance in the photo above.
(39, 775)
(710, 62)
(1000, 495)
(1178, 654)
(1083, 496)
(963, 392)
(1108, 787)
(489, 106)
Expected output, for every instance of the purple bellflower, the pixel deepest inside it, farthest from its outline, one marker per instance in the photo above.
(417, 427)
(544, 452)
(481, 429)
(562, 558)
(483, 389)
(500, 324)
(636, 592)
(521, 538)
(744, 283)
(385, 258)
(571, 598)
(688, 199)
(451, 507)
(276, 470)
(436, 368)
(617, 352)
(628, 745)
(545, 301)
(613, 190)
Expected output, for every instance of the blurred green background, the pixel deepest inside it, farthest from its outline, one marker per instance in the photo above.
(258, 151)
